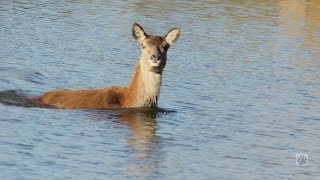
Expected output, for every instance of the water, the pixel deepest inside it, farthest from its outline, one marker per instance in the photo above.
(240, 94)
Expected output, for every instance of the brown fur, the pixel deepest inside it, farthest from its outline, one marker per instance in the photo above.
(143, 90)
(110, 97)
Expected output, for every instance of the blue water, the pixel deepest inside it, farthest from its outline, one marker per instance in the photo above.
(240, 95)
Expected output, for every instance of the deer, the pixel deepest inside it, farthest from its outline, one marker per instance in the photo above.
(143, 90)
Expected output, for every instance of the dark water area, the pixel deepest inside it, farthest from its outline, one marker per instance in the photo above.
(240, 96)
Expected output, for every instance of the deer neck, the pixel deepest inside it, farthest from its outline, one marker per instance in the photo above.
(144, 87)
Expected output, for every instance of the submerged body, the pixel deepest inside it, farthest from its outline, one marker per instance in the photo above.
(143, 90)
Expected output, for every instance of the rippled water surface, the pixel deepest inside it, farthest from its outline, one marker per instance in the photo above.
(240, 95)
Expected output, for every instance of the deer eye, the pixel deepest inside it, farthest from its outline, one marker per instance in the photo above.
(143, 46)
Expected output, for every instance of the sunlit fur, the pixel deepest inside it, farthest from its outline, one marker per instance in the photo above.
(144, 87)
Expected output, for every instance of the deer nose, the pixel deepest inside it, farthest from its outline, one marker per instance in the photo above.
(155, 58)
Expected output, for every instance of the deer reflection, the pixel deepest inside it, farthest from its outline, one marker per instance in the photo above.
(143, 140)
(143, 125)
(145, 153)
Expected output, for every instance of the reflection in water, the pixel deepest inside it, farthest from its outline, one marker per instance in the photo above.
(301, 19)
(299, 22)
(143, 125)
(141, 122)
(144, 157)
(142, 141)
(167, 10)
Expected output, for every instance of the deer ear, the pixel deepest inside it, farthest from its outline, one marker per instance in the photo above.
(138, 32)
(172, 36)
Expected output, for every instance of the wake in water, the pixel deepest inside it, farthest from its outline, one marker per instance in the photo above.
(16, 98)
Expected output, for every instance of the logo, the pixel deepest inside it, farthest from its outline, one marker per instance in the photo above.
(301, 159)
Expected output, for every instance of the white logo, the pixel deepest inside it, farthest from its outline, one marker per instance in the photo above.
(301, 159)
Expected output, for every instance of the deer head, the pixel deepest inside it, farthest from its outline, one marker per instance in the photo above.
(154, 48)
